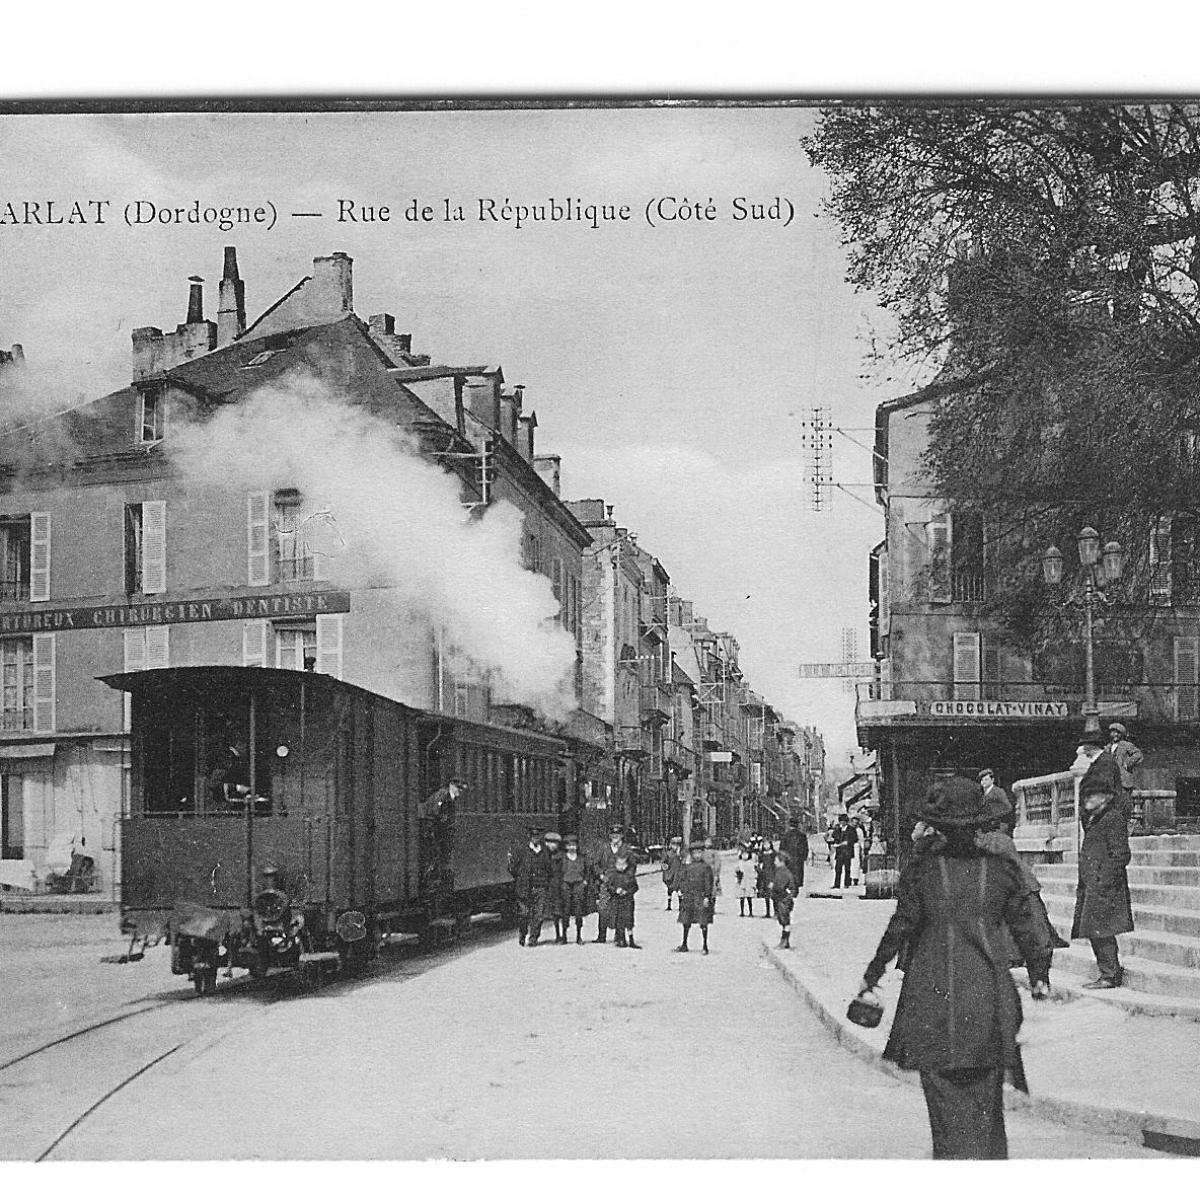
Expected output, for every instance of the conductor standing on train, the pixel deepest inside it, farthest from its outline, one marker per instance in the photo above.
(436, 824)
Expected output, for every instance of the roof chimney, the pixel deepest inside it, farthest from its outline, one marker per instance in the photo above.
(195, 300)
(231, 302)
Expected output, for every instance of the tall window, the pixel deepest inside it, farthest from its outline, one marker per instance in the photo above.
(151, 416)
(14, 558)
(12, 817)
(16, 684)
(296, 646)
(146, 547)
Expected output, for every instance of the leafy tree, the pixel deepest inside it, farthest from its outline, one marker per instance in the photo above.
(1043, 261)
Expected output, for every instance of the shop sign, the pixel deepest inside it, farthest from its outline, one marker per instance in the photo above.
(1012, 710)
(174, 612)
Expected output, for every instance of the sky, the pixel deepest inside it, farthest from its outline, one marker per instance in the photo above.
(673, 366)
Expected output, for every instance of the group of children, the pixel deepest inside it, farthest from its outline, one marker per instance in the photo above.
(555, 880)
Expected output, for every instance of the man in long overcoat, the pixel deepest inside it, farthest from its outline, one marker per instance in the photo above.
(604, 862)
(1102, 905)
(795, 845)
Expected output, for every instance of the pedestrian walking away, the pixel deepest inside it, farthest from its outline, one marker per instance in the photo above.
(533, 875)
(696, 895)
(795, 845)
(1102, 904)
(621, 883)
(783, 892)
(745, 874)
(554, 904)
(958, 1014)
(670, 871)
(765, 874)
(574, 882)
(845, 839)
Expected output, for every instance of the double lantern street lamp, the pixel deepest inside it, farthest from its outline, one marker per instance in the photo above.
(1099, 569)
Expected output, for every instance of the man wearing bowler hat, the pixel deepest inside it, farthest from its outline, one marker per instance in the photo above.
(533, 876)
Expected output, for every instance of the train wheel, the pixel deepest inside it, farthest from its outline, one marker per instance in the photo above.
(205, 981)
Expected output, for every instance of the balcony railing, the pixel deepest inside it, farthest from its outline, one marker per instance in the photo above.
(967, 587)
(14, 589)
(16, 722)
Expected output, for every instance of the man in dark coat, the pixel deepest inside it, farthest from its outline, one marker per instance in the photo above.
(435, 824)
(606, 861)
(958, 1013)
(795, 846)
(533, 876)
(997, 800)
(844, 841)
(1102, 905)
(1104, 772)
(1128, 758)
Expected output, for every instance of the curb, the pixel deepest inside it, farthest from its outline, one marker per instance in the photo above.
(1155, 1131)
(45, 905)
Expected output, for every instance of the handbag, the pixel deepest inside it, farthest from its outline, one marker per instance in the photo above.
(865, 1011)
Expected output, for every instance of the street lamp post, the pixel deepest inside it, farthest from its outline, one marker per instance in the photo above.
(1099, 568)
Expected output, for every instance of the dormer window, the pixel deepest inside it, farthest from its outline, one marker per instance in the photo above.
(151, 422)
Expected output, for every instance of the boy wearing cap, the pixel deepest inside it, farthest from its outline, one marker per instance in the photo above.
(554, 907)
(670, 871)
(621, 883)
(574, 883)
(1102, 904)
(533, 875)
(697, 889)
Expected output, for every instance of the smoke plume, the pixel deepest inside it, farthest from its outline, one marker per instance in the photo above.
(389, 519)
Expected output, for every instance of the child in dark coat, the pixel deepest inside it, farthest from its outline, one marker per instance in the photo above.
(783, 892)
(697, 891)
(621, 883)
(573, 876)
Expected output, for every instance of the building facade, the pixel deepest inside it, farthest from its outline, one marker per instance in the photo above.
(953, 694)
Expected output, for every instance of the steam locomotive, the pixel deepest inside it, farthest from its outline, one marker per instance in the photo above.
(273, 817)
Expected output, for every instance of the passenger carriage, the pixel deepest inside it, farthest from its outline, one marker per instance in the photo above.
(272, 818)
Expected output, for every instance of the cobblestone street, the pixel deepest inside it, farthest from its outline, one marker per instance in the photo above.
(495, 1052)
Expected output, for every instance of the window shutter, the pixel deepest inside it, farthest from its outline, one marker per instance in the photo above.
(556, 585)
(154, 546)
(254, 643)
(938, 535)
(39, 556)
(135, 650)
(158, 647)
(329, 645)
(885, 599)
(1160, 562)
(43, 682)
(1187, 657)
(258, 559)
(991, 672)
(885, 679)
(966, 666)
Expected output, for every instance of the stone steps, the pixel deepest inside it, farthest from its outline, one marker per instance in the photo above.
(1182, 877)
(1140, 974)
(1061, 908)
(1161, 957)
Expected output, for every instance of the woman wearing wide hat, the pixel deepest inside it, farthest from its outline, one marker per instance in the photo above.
(958, 1014)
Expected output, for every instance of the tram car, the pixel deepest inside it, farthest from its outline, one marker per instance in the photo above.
(274, 821)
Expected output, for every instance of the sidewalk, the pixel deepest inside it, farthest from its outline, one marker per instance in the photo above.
(1089, 1064)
